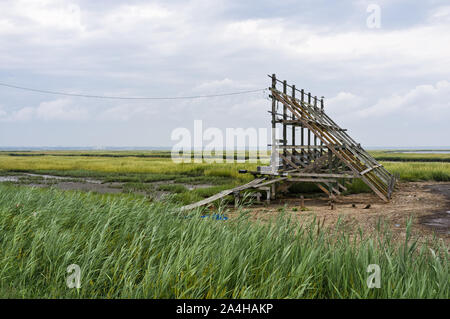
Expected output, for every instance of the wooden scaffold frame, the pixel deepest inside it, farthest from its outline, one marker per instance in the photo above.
(317, 151)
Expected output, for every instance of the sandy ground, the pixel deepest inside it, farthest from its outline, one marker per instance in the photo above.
(428, 203)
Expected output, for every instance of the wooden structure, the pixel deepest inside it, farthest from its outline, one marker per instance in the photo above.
(312, 149)
(317, 150)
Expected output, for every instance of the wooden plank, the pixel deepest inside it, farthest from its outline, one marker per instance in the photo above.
(326, 191)
(289, 161)
(298, 147)
(291, 155)
(312, 180)
(342, 186)
(222, 194)
(369, 169)
(324, 175)
(270, 182)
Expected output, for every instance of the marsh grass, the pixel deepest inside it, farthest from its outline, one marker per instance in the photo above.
(138, 169)
(420, 171)
(410, 156)
(135, 249)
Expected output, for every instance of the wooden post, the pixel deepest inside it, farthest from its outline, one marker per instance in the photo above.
(302, 202)
(302, 130)
(284, 125)
(330, 167)
(274, 154)
(293, 126)
(273, 191)
(236, 199)
(315, 137)
(309, 132)
(321, 109)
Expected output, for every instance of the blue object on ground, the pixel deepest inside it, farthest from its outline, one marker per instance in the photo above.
(216, 217)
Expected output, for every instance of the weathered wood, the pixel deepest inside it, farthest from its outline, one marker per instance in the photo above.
(288, 161)
(349, 156)
(274, 143)
(323, 175)
(223, 194)
(272, 181)
(369, 169)
(301, 147)
(293, 127)
(342, 186)
(343, 152)
(326, 191)
(311, 180)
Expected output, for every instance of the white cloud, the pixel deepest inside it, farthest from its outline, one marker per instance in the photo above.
(343, 104)
(202, 47)
(56, 110)
(129, 112)
(51, 14)
(61, 109)
(424, 102)
(21, 115)
(440, 15)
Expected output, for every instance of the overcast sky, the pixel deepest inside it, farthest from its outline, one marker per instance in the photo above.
(389, 86)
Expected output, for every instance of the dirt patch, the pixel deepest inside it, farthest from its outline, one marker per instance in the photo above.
(418, 200)
(440, 219)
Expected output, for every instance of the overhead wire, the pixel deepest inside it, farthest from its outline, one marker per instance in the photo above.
(128, 97)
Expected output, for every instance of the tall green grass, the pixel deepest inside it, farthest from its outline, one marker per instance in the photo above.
(417, 171)
(410, 156)
(135, 249)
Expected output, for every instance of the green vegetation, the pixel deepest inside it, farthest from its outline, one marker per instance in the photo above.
(136, 249)
(418, 171)
(138, 169)
(174, 188)
(406, 156)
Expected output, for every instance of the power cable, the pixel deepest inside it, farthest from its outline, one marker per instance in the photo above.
(125, 97)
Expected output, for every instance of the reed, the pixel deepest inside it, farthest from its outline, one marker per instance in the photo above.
(136, 249)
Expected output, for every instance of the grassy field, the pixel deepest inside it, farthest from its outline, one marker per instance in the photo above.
(138, 168)
(131, 246)
(410, 156)
(135, 249)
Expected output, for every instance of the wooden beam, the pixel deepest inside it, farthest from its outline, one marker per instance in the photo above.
(311, 180)
(270, 182)
(369, 169)
(290, 162)
(324, 175)
(326, 191)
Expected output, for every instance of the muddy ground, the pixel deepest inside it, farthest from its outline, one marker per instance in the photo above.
(91, 185)
(428, 203)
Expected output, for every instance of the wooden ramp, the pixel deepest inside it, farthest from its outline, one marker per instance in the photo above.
(254, 183)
